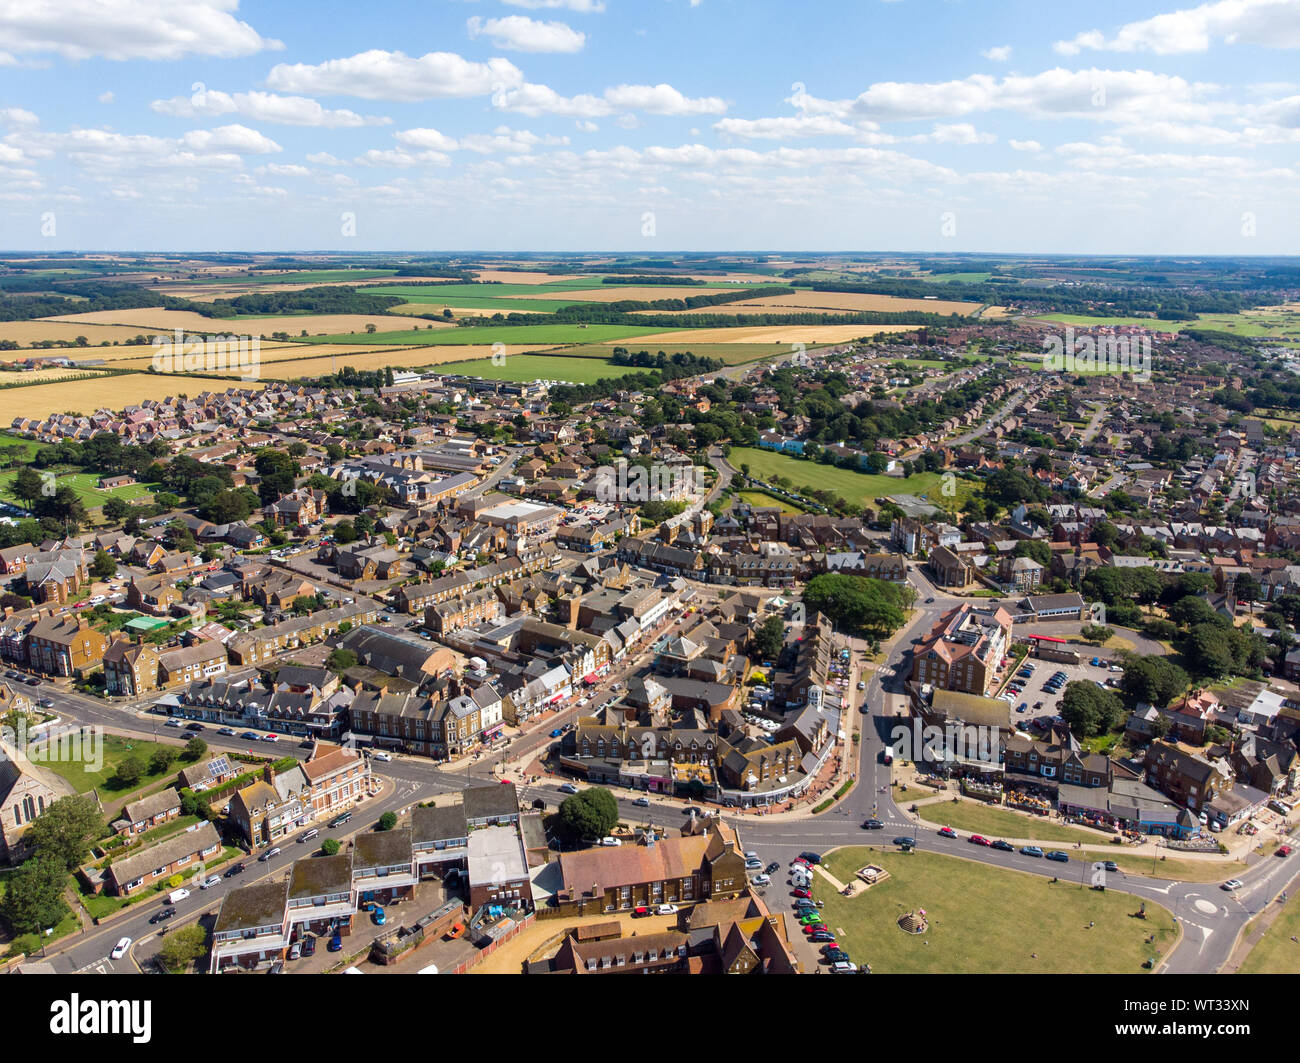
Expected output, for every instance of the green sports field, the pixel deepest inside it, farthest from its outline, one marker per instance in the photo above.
(858, 487)
(84, 484)
(523, 367)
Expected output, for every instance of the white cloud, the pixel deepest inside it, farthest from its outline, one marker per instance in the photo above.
(234, 138)
(584, 7)
(1025, 145)
(262, 107)
(425, 140)
(1000, 54)
(662, 99)
(1267, 23)
(783, 128)
(522, 34)
(286, 169)
(129, 29)
(382, 75)
(16, 116)
(106, 97)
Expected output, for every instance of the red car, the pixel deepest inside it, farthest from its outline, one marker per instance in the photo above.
(640, 911)
(979, 839)
(1284, 850)
(800, 861)
(947, 832)
(799, 891)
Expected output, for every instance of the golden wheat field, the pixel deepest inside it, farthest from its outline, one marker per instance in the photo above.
(506, 276)
(767, 334)
(270, 353)
(110, 393)
(614, 293)
(846, 302)
(28, 376)
(315, 324)
(29, 332)
(406, 357)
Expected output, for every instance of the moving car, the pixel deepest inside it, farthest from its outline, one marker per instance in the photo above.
(1232, 884)
(270, 738)
(772, 868)
(236, 869)
(251, 736)
(1284, 850)
(273, 851)
(162, 916)
(210, 881)
(642, 802)
(229, 732)
(194, 727)
(119, 950)
(1031, 850)
(947, 832)
(568, 788)
(1110, 865)
(872, 824)
(557, 732)
(174, 722)
(340, 819)
(1058, 856)
(905, 840)
(382, 756)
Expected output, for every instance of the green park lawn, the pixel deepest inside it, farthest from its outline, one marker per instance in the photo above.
(857, 487)
(86, 487)
(1277, 951)
(82, 777)
(986, 920)
(762, 498)
(996, 823)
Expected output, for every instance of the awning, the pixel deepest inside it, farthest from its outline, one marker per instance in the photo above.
(591, 680)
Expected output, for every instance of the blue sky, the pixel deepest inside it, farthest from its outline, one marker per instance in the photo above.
(651, 125)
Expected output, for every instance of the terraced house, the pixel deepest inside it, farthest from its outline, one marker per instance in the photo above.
(182, 854)
(65, 645)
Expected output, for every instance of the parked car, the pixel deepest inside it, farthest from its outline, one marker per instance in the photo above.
(273, 851)
(837, 955)
(295, 950)
(812, 858)
(642, 802)
(801, 891)
(640, 911)
(947, 832)
(378, 916)
(1031, 850)
(978, 839)
(335, 943)
(905, 840)
(340, 819)
(33, 682)
(1058, 856)
(667, 909)
(229, 732)
(235, 869)
(210, 881)
(382, 756)
(119, 950)
(309, 946)
(822, 937)
(1001, 846)
(194, 727)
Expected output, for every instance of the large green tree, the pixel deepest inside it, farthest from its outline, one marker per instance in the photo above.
(64, 831)
(1089, 710)
(33, 898)
(1154, 680)
(593, 813)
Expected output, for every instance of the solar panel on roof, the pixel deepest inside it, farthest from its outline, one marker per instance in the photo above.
(219, 765)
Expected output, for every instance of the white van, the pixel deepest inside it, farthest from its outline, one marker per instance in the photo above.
(177, 895)
(609, 839)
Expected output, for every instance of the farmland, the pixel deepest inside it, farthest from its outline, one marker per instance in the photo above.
(161, 320)
(806, 334)
(26, 333)
(533, 335)
(543, 367)
(113, 393)
(804, 302)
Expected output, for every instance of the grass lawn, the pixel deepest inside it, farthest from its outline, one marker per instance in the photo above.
(115, 749)
(762, 498)
(86, 487)
(996, 823)
(986, 920)
(540, 367)
(858, 487)
(1276, 953)
(1174, 868)
(541, 335)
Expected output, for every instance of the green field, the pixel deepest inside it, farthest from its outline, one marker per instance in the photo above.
(115, 749)
(540, 367)
(727, 353)
(762, 498)
(1276, 324)
(305, 276)
(958, 278)
(996, 823)
(985, 920)
(539, 335)
(84, 484)
(1277, 951)
(859, 487)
